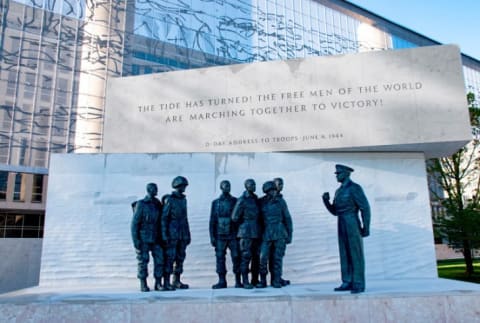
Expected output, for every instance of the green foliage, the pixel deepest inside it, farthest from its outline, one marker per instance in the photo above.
(458, 176)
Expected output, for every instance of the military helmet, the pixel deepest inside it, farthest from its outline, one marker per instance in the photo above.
(179, 181)
(268, 185)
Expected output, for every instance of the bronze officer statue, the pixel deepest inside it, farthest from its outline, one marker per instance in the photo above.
(146, 236)
(349, 200)
(175, 233)
(223, 235)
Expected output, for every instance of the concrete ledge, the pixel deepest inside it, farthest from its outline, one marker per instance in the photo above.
(426, 300)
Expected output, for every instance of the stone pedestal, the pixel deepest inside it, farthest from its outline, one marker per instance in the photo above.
(419, 300)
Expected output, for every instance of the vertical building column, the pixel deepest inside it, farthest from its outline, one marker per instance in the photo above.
(102, 17)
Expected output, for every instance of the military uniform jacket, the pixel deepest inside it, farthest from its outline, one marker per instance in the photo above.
(246, 213)
(276, 220)
(349, 199)
(146, 223)
(221, 224)
(174, 218)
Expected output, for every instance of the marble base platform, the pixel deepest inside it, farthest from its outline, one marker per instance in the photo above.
(413, 300)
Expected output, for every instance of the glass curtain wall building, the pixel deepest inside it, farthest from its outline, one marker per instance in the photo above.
(56, 55)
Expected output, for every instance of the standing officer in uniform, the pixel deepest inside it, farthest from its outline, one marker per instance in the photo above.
(277, 233)
(223, 235)
(349, 200)
(246, 215)
(175, 233)
(146, 236)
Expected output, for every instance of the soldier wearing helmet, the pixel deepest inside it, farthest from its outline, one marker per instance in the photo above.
(223, 235)
(277, 233)
(146, 236)
(246, 215)
(175, 233)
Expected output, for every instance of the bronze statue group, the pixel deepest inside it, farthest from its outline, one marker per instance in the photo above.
(255, 230)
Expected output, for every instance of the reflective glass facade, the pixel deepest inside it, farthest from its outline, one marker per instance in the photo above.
(56, 55)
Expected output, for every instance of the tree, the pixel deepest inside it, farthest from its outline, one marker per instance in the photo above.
(458, 176)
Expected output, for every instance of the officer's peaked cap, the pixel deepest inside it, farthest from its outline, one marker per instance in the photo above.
(342, 168)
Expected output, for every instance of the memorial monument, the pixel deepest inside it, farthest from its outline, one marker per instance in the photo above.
(261, 121)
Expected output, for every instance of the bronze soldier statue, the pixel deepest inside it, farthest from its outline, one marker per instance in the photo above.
(349, 200)
(223, 235)
(246, 215)
(279, 186)
(277, 233)
(146, 236)
(175, 233)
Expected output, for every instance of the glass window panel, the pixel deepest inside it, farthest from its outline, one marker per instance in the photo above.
(297, 5)
(3, 222)
(4, 149)
(34, 3)
(37, 188)
(69, 8)
(33, 20)
(19, 188)
(30, 233)
(31, 220)
(15, 16)
(3, 185)
(13, 233)
(271, 7)
(39, 153)
(51, 25)
(289, 4)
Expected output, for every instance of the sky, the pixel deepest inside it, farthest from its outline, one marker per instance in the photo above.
(446, 21)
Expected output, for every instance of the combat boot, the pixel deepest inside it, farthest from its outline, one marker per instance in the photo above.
(178, 284)
(276, 283)
(255, 280)
(222, 282)
(246, 284)
(238, 281)
(263, 281)
(143, 285)
(284, 282)
(158, 283)
(166, 283)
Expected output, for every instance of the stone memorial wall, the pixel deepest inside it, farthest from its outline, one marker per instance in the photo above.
(87, 231)
(404, 100)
